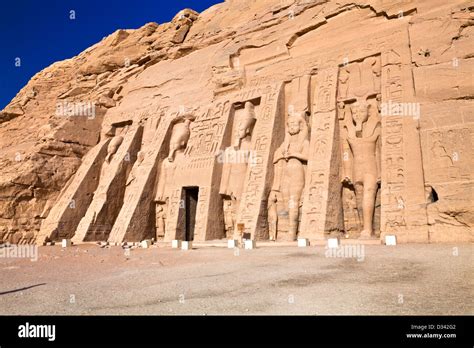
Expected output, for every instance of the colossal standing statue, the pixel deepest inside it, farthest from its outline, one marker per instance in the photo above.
(236, 158)
(180, 134)
(363, 130)
(290, 166)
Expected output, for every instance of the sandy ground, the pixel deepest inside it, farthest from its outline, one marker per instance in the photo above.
(87, 279)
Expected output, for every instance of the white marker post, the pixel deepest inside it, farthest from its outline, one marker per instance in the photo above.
(303, 242)
(145, 244)
(391, 240)
(186, 245)
(232, 244)
(333, 243)
(250, 244)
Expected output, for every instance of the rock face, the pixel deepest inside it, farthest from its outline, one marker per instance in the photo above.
(274, 118)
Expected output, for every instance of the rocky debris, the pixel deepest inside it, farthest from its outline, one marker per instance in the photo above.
(183, 22)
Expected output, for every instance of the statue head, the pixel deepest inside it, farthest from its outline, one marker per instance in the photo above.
(360, 114)
(295, 123)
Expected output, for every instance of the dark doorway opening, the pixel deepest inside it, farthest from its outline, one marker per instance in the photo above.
(191, 202)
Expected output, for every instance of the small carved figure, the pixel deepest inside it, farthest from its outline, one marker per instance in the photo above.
(229, 217)
(344, 83)
(273, 215)
(160, 220)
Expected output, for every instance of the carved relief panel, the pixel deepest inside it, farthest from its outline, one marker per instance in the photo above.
(321, 205)
(359, 88)
(403, 200)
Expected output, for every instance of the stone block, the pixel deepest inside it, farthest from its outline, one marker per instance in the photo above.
(303, 242)
(233, 243)
(66, 243)
(333, 243)
(250, 244)
(186, 245)
(145, 244)
(391, 240)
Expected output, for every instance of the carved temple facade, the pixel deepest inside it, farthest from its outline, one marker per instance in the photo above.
(287, 137)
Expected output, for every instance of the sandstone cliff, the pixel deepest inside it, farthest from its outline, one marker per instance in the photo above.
(133, 80)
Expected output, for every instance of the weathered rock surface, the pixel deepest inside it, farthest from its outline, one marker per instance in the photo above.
(351, 117)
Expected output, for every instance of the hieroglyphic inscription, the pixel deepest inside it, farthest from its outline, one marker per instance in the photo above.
(202, 213)
(450, 154)
(206, 135)
(393, 163)
(319, 163)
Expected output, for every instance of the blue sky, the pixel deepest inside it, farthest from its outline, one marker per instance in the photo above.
(41, 33)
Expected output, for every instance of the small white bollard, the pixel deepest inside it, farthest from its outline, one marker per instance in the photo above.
(303, 242)
(232, 244)
(176, 244)
(66, 243)
(250, 244)
(333, 243)
(145, 244)
(186, 245)
(391, 240)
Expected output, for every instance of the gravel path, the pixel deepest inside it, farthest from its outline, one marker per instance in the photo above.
(407, 279)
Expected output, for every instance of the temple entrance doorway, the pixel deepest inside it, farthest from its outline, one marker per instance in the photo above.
(191, 202)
